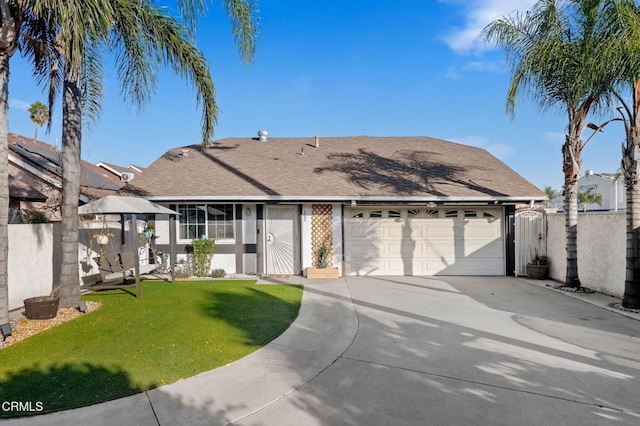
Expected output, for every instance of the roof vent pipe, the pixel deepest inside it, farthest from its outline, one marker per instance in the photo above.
(317, 141)
(262, 135)
(589, 173)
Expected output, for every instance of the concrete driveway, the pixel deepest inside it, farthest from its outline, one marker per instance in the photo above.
(414, 351)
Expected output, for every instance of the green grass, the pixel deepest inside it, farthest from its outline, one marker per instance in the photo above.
(131, 345)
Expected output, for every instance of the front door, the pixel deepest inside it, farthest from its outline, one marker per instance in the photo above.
(281, 248)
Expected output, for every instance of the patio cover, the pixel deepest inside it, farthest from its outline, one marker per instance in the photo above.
(114, 204)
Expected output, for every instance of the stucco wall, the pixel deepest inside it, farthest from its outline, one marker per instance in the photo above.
(30, 262)
(601, 250)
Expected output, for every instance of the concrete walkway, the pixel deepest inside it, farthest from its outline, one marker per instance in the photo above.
(414, 351)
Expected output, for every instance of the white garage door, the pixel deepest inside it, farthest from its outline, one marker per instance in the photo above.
(423, 241)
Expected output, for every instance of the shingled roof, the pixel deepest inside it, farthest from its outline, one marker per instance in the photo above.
(363, 167)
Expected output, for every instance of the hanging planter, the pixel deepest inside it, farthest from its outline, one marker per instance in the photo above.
(102, 238)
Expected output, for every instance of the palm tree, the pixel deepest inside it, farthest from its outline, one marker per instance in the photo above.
(555, 55)
(11, 16)
(551, 193)
(623, 26)
(141, 37)
(39, 114)
(590, 196)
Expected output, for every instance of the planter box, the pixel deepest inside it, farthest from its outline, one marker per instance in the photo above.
(315, 273)
(538, 272)
(36, 308)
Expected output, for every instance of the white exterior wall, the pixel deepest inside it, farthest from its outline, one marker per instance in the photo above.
(305, 237)
(224, 261)
(601, 250)
(162, 229)
(249, 224)
(30, 262)
(338, 249)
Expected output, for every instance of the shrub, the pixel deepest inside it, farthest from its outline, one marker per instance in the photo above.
(202, 256)
(218, 273)
(36, 217)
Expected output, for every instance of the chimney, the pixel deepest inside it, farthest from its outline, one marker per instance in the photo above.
(262, 135)
(317, 141)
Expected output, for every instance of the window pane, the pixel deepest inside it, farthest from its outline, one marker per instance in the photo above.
(209, 220)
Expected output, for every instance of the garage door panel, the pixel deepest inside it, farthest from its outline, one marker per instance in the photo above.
(472, 248)
(363, 230)
(425, 246)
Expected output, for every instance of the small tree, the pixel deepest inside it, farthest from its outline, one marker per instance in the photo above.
(39, 114)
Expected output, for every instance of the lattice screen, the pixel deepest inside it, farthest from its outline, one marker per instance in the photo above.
(321, 228)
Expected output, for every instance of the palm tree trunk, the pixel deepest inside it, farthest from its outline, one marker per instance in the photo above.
(11, 15)
(4, 189)
(572, 162)
(68, 287)
(631, 168)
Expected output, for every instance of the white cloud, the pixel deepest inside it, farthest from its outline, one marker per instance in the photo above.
(500, 150)
(477, 15)
(18, 104)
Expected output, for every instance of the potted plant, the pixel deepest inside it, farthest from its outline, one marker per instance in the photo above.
(102, 238)
(322, 268)
(538, 268)
(41, 307)
(149, 231)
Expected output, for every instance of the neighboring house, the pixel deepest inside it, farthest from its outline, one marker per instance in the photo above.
(386, 205)
(609, 185)
(20, 192)
(37, 165)
(124, 174)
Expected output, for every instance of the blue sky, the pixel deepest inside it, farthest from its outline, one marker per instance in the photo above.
(340, 68)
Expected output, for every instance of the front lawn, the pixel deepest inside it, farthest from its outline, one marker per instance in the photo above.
(131, 345)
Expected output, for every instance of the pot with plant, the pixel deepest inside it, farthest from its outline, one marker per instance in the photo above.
(42, 307)
(538, 268)
(149, 231)
(322, 267)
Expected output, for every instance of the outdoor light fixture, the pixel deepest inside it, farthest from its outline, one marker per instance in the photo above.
(248, 211)
(431, 204)
(353, 203)
(82, 307)
(6, 331)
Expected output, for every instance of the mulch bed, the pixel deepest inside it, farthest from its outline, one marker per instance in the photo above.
(576, 289)
(24, 327)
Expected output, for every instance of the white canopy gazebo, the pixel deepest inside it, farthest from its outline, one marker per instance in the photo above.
(134, 206)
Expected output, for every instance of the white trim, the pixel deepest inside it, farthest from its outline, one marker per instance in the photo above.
(108, 168)
(340, 199)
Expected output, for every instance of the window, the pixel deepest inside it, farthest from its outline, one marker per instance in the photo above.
(451, 213)
(470, 213)
(432, 213)
(394, 213)
(375, 213)
(208, 220)
(414, 212)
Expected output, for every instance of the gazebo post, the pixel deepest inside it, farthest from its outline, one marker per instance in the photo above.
(136, 259)
(172, 243)
(122, 233)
